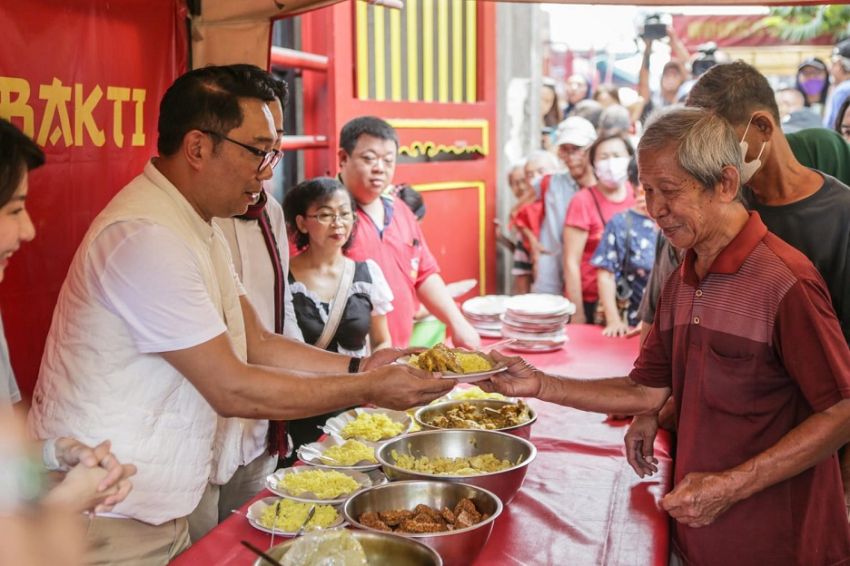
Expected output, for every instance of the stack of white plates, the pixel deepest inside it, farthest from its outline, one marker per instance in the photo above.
(536, 322)
(484, 314)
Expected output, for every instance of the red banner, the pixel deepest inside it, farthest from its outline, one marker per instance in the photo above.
(731, 31)
(84, 79)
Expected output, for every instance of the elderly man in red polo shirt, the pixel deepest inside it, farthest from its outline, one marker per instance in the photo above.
(387, 232)
(746, 339)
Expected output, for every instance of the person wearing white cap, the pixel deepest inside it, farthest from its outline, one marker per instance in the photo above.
(575, 135)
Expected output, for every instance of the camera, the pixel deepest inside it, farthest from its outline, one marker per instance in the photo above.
(653, 28)
(705, 60)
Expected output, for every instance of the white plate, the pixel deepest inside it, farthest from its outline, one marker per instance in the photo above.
(540, 304)
(486, 306)
(465, 377)
(273, 485)
(255, 511)
(311, 454)
(334, 425)
(535, 349)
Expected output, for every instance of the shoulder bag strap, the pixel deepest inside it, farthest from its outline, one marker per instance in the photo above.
(337, 306)
(598, 208)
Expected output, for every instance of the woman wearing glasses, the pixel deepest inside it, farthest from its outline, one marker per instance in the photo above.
(340, 304)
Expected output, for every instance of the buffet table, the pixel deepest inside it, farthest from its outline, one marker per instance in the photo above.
(580, 504)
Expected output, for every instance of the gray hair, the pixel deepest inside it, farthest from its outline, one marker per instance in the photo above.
(544, 158)
(705, 143)
(615, 119)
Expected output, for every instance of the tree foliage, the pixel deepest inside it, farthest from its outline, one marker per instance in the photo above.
(801, 23)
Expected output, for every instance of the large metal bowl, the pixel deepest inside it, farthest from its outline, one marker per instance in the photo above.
(463, 444)
(424, 415)
(382, 549)
(457, 548)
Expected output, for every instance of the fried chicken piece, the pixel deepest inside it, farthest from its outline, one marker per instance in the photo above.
(394, 517)
(465, 519)
(370, 519)
(448, 515)
(432, 514)
(414, 526)
(439, 358)
(467, 505)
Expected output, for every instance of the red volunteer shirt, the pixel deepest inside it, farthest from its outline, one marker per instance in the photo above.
(400, 251)
(751, 351)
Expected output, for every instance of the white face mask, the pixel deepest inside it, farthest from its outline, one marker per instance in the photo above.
(612, 171)
(748, 169)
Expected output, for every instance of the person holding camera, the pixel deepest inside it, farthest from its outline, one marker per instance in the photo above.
(673, 75)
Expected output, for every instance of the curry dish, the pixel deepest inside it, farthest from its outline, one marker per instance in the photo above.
(425, 519)
(470, 416)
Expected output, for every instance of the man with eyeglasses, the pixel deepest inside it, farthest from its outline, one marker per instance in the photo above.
(389, 234)
(575, 135)
(153, 339)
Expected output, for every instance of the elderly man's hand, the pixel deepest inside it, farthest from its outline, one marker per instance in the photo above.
(114, 483)
(400, 386)
(520, 379)
(700, 498)
(639, 445)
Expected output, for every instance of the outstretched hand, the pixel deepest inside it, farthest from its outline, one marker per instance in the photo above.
(520, 379)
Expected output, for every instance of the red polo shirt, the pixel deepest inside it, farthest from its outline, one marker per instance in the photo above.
(751, 351)
(400, 251)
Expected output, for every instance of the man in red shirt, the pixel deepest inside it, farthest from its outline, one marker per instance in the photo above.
(746, 340)
(388, 233)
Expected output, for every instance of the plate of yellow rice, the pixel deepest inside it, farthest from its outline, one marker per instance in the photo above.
(287, 516)
(333, 453)
(315, 485)
(369, 425)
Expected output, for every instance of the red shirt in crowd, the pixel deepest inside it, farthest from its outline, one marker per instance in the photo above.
(584, 215)
(400, 251)
(751, 351)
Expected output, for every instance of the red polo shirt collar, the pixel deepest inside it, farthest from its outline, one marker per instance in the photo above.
(733, 255)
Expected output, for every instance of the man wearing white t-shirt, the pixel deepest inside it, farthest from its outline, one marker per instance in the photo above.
(153, 338)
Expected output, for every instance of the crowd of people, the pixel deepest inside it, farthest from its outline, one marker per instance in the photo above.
(204, 329)
(557, 239)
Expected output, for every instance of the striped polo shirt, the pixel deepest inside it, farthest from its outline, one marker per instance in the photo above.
(750, 351)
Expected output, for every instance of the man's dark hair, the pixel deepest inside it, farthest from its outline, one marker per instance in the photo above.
(365, 126)
(413, 199)
(207, 99)
(632, 172)
(307, 193)
(734, 91)
(279, 86)
(602, 139)
(18, 153)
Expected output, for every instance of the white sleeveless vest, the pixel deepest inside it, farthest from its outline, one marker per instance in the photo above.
(94, 384)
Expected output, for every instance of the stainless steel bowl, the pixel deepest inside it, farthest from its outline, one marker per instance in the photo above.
(382, 549)
(457, 548)
(463, 444)
(424, 414)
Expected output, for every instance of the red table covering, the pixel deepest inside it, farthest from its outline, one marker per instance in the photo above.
(581, 503)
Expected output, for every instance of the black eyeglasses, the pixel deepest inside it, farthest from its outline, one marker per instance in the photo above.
(267, 158)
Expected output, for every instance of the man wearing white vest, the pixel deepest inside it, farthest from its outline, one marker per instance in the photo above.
(248, 449)
(152, 337)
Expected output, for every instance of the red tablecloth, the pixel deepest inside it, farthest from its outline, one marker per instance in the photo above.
(581, 503)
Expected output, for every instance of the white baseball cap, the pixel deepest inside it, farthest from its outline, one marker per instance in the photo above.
(576, 131)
